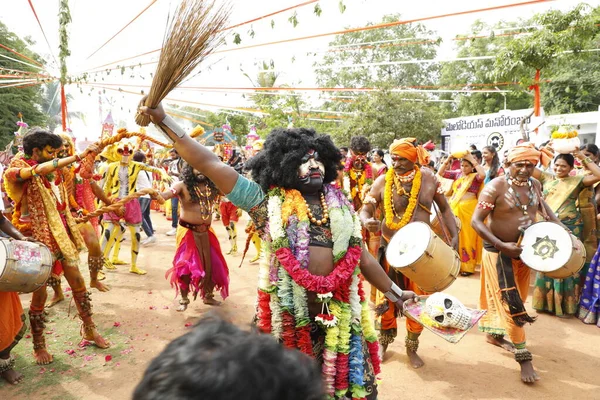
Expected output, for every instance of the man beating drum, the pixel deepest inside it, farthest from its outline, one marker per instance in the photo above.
(510, 204)
(407, 193)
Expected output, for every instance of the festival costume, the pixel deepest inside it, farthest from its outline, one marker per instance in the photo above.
(120, 181)
(41, 211)
(463, 202)
(229, 216)
(199, 256)
(341, 337)
(561, 296)
(387, 320)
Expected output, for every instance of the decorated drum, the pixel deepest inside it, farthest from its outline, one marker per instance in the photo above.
(24, 266)
(418, 253)
(548, 248)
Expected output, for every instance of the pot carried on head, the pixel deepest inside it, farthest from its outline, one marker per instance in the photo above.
(418, 253)
(24, 266)
(548, 248)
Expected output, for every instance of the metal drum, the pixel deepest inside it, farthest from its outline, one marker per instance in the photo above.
(548, 248)
(422, 256)
(24, 266)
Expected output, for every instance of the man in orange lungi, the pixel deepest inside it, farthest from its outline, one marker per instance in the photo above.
(406, 192)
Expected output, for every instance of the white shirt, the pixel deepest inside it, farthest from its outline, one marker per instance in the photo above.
(144, 181)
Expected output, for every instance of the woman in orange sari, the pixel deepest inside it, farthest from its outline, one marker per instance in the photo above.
(468, 182)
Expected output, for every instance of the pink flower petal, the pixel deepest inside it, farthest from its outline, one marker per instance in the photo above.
(188, 324)
(107, 358)
(152, 307)
(117, 324)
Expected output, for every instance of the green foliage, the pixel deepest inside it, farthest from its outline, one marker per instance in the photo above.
(64, 18)
(238, 122)
(556, 32)
(396, 46)
(318, 10)
(25, 100)
(294, 19)
(384, 116)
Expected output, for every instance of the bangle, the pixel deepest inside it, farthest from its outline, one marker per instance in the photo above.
(394, 294)
(586, 161)
(55, 163)
(33, 172)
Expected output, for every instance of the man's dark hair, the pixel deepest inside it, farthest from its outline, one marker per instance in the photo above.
(344, 148)
(219, 361)
(191, 182)
(38, 138)
(139, 156)
(278, 162)
(360, 144)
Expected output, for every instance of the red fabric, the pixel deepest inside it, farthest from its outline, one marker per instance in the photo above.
(228, 212)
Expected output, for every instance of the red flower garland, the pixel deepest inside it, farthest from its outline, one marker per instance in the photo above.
(342, 293)
(289, 330)
(264, 312)
(304, 340)
(341, 371)
(374, 353)
(343, 270)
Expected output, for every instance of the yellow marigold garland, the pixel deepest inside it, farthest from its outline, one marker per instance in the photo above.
(389, 198)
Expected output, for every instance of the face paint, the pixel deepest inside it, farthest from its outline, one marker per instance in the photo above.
(49, 153)
(401, 165)
(311, 173)
(359, 161)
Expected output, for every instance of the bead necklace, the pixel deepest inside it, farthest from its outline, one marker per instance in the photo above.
(530, 194)
(206, 206)
(325, 208)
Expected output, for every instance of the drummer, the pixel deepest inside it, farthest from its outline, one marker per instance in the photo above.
(407, 192)
(510, 204)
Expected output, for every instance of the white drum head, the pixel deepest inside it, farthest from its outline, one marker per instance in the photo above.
(408, 244)
(546, 246)
(3, 254)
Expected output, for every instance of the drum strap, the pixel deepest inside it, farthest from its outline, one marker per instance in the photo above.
(541, 208)
(508, 288)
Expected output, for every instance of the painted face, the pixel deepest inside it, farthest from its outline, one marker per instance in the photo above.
(49, 153)
(562, 168)
(65, 151)
(311, 172)
(521, 170)
(358, 160)
(401, 165)
(124, 152)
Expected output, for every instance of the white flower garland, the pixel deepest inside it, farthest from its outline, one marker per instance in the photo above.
(264, 282)
(276, 322)
(275, 223)
(347, 188)
(355, 306)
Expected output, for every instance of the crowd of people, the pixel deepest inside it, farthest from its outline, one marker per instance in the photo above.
(321, 220)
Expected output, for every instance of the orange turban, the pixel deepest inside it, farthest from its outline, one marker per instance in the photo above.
(408, 149)
(524, 152)
(546, 156)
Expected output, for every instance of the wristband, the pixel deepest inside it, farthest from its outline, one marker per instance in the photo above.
(55, 163)
(33, 172)
(394, 294)
(172, 125)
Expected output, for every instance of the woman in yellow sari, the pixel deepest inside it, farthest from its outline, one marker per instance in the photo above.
(561, 193)
(468, 182)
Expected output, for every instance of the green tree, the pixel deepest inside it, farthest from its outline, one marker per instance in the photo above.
(25, 100)
(462, 74)
(384, 116)
(238, 123)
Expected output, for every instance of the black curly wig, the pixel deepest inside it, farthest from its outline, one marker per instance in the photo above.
(360, 144)
(278, 162)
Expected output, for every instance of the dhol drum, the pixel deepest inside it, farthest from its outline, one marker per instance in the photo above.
(422, 256)
(436, 226)
(24, 266)
(548, 248)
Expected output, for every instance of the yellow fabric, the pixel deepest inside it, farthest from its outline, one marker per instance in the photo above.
(460, 187)
(112, 184)
(469, 243)
(562, 189)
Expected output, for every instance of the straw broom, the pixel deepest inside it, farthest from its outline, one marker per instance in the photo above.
(194, 33)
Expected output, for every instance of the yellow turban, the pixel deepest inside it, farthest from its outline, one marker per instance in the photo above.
(408, 149)
(524, 152)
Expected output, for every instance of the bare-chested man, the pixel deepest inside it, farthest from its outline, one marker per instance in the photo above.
(198, 261)
(510, 204)
(405, 180)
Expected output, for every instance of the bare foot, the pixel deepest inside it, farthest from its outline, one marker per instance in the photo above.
(92, 335)
(528, 374)
(100, 286)
(414, 359)
(382, 350)
(211, 302)
(55, 300)
(136, 270)
(42, 357)
(11, 376)
(503, 343)
(182, 307)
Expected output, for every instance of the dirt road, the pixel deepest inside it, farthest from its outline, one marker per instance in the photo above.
(138, 316)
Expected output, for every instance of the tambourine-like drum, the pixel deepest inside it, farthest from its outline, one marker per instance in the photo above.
(436, 226)
(24, 266)
(418, 253)
(548, 248)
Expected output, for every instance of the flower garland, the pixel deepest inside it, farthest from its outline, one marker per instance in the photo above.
(284, 280)
(354, 180)
(389, 200)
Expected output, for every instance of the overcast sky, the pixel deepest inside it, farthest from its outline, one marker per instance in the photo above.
(94, 22)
